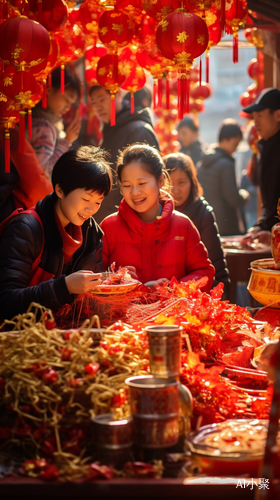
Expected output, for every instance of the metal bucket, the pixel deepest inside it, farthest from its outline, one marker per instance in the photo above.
(112, 440)
(154, 407)
(164, 350)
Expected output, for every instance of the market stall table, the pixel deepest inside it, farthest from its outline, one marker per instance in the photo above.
(238, 262)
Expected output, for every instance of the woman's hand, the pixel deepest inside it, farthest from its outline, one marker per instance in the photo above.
(82, 281)
(73, 129)
(132, 271)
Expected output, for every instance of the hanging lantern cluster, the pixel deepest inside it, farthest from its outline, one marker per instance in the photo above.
(236, 12)
(255, 70)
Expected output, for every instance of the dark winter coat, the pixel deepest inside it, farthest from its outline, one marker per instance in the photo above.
(269, 181)
(20, 245)
(216, 174)
(169, 246)
(203, 217)
(129, 128)
(194, 150)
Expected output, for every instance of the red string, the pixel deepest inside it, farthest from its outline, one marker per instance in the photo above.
(155, 93)
(44, 98)
(200, 71)
(187, 85)
(235, 47)
(40, 11)
(207, 67)
(30, 123)
(160, 92)
(7, 152)
(180, 100)
(167, 92)
(21, 146)
(113, 110)
(132, 103)
(62, 67)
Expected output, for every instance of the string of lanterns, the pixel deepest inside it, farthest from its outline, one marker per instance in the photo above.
(122, 41)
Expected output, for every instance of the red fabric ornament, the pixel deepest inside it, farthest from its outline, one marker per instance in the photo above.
(93, 54)
(245, 100)
(203, 91)
(54, 13)
(253, 68)
(88, 19)
(197, 106)
(111, 76)
(43, 70)
(160, 8)
(236, 12)
(252, 90)
(132, 8)
(9, 115)
(181, 37)
(71, 42)
(136, 77)
(23, 42)
(115, 29)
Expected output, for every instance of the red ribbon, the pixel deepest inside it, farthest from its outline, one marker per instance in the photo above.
(132, 102)
(113, 110)
(167, 92)
(62, 67)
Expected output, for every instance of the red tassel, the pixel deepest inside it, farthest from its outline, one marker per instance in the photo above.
(200, 71)
(132, 103)
(207, 65)
(62, 68)
(188, 93)
(184, 89)
(44, 98)
(40, 11)
(7, 152)
(160, 92)
(167, 92)
(113, 110)
(155, 93)
(223, 17)
(235, 47)
(21, 146)
(180, 100)
(50, 81)
(30, 123)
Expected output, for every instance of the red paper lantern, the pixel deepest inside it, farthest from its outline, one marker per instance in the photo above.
(111, 76)
(9, 116)
(71, 42)
(23, 42)
(160, 8)
(88, 19)
(90, 76)
(253, 90)
(197, 106)
(115, 29)
(253, 68)
(181, 37)
(132, 8)
(93, 54)
(245, 100)
(236, 15)
(52, 14)
(135, 76)
(201, 91)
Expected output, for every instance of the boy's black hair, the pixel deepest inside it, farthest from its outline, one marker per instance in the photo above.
(228, 129)
(188, 122)
(85, 167)
(139, 96)
(71, 80)
(96, 87)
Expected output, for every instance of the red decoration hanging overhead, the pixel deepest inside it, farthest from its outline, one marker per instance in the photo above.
(132, 8)
(181, 37)
(88, 19)
(136, 77)
(54, 13)
(160, 8)
(115, 29)
(201, 91)
(110, 75)
(236, 15)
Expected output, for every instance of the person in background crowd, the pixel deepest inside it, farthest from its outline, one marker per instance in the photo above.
(146, 232)
(216, 174)
(129, 128)
(26, 182)
(69, 238)
(266, 114)
(49, 139)
(187, 193)
(188, 131)
(142, 97)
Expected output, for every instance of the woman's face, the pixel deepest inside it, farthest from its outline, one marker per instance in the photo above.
(140, 190)
(59, 103)
(181, 186)
(77, 206)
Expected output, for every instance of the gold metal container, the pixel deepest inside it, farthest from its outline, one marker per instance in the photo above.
(164, 350)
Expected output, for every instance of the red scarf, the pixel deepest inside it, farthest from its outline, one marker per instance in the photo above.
(72, 238)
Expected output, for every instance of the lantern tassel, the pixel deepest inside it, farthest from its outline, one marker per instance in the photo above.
(235, 47)
(7, 152)
(180, 100)
(160, 92)
(40, 11)
(187, 86)
(132, 103)
(155, 93)
(223, 17)
(62, 68)
(50, 81)
(21, 146)
(113, 110)
(207, 65)
(44, 98)
(200, 71)
(30, 124)
(167, 92)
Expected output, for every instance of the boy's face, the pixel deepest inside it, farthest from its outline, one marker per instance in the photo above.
(101, 104)
(59, 103)
(186, 136)
(267, 123)
(77, 206)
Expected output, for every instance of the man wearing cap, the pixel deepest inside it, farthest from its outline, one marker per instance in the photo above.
(266, 114)
(188, 138)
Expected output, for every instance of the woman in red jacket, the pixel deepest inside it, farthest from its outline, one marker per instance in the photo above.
(146, 232)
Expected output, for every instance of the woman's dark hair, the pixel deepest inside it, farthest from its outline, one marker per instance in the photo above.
(149, 157)
(85, 167)
(71, 80)
(228, 129)
(180, 161)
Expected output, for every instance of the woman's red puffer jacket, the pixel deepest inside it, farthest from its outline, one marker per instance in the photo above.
(169, 246)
